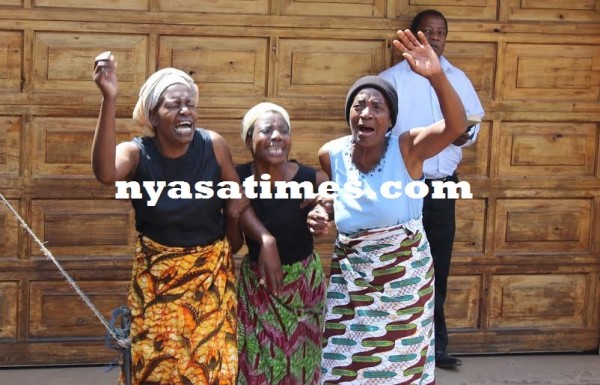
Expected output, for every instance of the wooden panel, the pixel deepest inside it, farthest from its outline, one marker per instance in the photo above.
(324, 246)
(470, 226)
(9, 231)
(94, 4)
(340, 8)
(220, 66)
(10, 145)
(309, 135)
(60, 223)
(11, 3)
(463, 301)
(62, 146)
(553, 10)
(259, 7)
(539, 83)
(477, 60)
(561, 226)
(312, 67)
(9, 305)
(230, 131)
(57, 311)
(552, 72)
(57, 353)
(63, 61)
(476, 157)
(465, 9)
(538, 301)
(11, 56)
(541, 149)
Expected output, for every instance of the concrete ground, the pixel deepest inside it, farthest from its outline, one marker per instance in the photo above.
(535, 369)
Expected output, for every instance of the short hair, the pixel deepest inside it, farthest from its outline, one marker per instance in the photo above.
(414, 25)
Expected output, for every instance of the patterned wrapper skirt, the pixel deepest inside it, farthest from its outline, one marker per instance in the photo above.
(279, 337)
(380, 299)
(183, 304)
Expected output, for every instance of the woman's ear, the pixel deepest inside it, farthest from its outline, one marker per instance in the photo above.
(249, 140)
(154, 119)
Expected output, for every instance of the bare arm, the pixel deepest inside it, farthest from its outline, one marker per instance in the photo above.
(233, 207)
(109, 161)
(418, 145)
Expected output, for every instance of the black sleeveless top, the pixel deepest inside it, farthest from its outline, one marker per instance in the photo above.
(179, 222)
(283, 218)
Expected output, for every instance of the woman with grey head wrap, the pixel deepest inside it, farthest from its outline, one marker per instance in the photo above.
(182, 296)
(279, 333)
(380, 293)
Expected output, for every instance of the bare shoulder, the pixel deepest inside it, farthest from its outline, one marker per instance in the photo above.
(406, 142)
(129, 145)
(215, 137)
(219, 143)
(324, 150)
(129, 150)
(324, 159)
(220, 147)
(127, 157)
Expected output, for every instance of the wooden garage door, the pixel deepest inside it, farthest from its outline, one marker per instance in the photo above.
(526, 272)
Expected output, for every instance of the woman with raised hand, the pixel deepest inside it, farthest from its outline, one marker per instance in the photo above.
(182, 295)
(379, 311)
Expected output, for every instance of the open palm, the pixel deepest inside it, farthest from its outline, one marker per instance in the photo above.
(419, 54)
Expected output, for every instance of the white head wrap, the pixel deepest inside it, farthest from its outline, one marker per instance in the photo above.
(255, 113)
(152, 90)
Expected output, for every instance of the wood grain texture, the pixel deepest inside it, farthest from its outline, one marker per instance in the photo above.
(526, 265)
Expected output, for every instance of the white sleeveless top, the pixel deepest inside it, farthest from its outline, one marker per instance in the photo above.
(376, 199)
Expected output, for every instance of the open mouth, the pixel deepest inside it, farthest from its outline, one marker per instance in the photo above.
(273, 150)
(365, 131)
(184, 128)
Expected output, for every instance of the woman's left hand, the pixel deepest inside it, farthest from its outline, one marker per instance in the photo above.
(269, 266)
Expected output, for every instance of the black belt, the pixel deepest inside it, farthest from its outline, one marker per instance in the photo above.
(453, 178)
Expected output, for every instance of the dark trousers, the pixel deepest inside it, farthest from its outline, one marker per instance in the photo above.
(440, 225)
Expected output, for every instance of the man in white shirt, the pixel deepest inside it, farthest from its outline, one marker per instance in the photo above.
(418, 106)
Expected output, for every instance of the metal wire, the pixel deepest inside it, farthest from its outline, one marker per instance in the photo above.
(122, 342)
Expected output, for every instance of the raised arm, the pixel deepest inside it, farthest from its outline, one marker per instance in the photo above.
(420, 144)
(109, 161)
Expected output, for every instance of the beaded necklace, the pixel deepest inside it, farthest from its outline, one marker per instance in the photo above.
(378, 167)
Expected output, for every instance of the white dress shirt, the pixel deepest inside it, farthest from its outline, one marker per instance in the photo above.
(418, 106)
